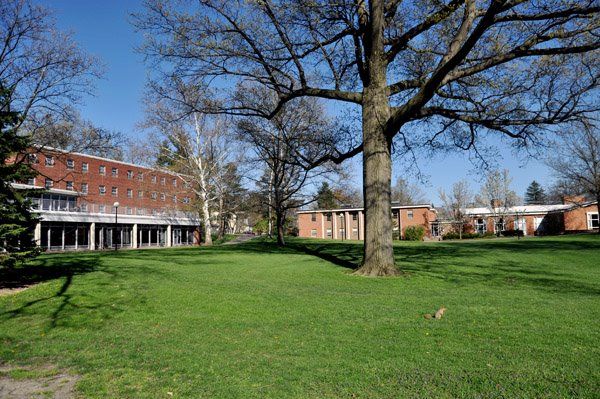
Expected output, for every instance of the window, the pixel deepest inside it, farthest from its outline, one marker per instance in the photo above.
(593, 221)
(186, 200)
(85, 167)
(499, 225)
(48, 183)
(410, 214)
(313, 233)
(354, 232)
(140, 176)
(139, 211)
(175, 199)
(313, 217)
(354, 216)
(83, 207)
(328, 232)
(129, 193)
(31, 181)
(115, 172)
(70, 164)
(153, 195)
(70, 185)
(102, 190)
(130, 174)
(163, 181)
(162, 196)
(140, 194)
(114, 191)
(329, 217)
(129, 211)
(102, 170)
(49, 160)
(84, 188)
(174, 182)
(154, 179)
(33, 158)
(480, 226)
(101, 208)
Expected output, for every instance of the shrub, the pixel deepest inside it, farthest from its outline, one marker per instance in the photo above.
(456, 236)
(414, 233)
(512, 233)
(489, 234)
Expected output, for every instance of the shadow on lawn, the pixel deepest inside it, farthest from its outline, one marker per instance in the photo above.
(66, 302)
(462, 263)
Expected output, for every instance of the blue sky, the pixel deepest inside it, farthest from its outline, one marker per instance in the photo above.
(102, 28)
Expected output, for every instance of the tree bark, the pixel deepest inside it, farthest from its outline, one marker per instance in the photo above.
(207, 225)
(280, 221)
(378, 255)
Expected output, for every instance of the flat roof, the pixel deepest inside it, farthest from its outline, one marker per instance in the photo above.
(428, 206)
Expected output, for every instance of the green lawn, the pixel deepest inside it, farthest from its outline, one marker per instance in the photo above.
(251, 320)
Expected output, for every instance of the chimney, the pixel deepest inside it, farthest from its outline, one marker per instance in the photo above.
(572, 199)
(496, 203)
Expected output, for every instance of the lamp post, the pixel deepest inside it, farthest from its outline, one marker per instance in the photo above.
(116, 205)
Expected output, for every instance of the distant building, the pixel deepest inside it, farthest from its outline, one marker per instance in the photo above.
(348, 223)
(574, 215)
(77, 206)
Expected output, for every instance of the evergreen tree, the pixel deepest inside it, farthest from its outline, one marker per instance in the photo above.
(326, 197)
(535, 194)
(18, 223)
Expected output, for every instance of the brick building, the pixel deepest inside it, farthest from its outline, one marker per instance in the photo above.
(348, 223)
(574, 215)
(84, 195)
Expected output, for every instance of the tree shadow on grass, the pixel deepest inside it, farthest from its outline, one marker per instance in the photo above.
(65, 302)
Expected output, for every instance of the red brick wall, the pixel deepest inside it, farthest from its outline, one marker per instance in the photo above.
(306, 225)
(60, 174)
(576, 219)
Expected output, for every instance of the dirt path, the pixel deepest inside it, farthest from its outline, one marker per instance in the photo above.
(58, 386)
(240, 239)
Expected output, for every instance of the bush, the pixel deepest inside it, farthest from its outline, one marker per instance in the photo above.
(512, 233)
(489, 234)
(465, 236)
(414, 233)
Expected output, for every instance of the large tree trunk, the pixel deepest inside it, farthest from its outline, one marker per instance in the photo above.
(378, 254)
(280, 221)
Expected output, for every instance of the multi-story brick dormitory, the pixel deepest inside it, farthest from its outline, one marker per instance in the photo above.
(348, 223)
(84, 194)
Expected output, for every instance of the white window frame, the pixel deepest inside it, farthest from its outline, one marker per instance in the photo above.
(590, 220)
(313, 233)
(102, 170)
(129, 193)
(102, 189)
(70, 164)
(478, 225)
(114, 191)
(48, 183)
(84, 188)
(69, 185)
(114, 172)
(410, 214)
(49, 160)
(130, 174)
(85, 167)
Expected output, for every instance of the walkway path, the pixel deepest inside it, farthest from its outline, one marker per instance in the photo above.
(240, 239)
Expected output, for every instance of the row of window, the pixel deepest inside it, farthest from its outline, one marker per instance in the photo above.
(59, 202)
(102, 170)
(313, 217)
(114, 191)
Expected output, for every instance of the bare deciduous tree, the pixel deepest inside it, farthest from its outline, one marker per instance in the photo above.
(577, 160)
(427, 71)
(287, 145)
(497, 196)
(406, 193)
(455, 203)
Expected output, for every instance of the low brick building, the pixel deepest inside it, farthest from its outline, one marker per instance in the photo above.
(574, 215)
(90, 202)
(348, 223)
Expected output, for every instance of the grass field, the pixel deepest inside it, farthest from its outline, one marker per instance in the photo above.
(251, 320)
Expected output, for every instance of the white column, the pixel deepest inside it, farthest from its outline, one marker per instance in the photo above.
(361, 225)
(399, 224)
(322, 225)
(348, 228)
(37, 233)
(134, 236)
(334, 218)
(92, 236)
(76, 237)
(63, 237)
(169, 238)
